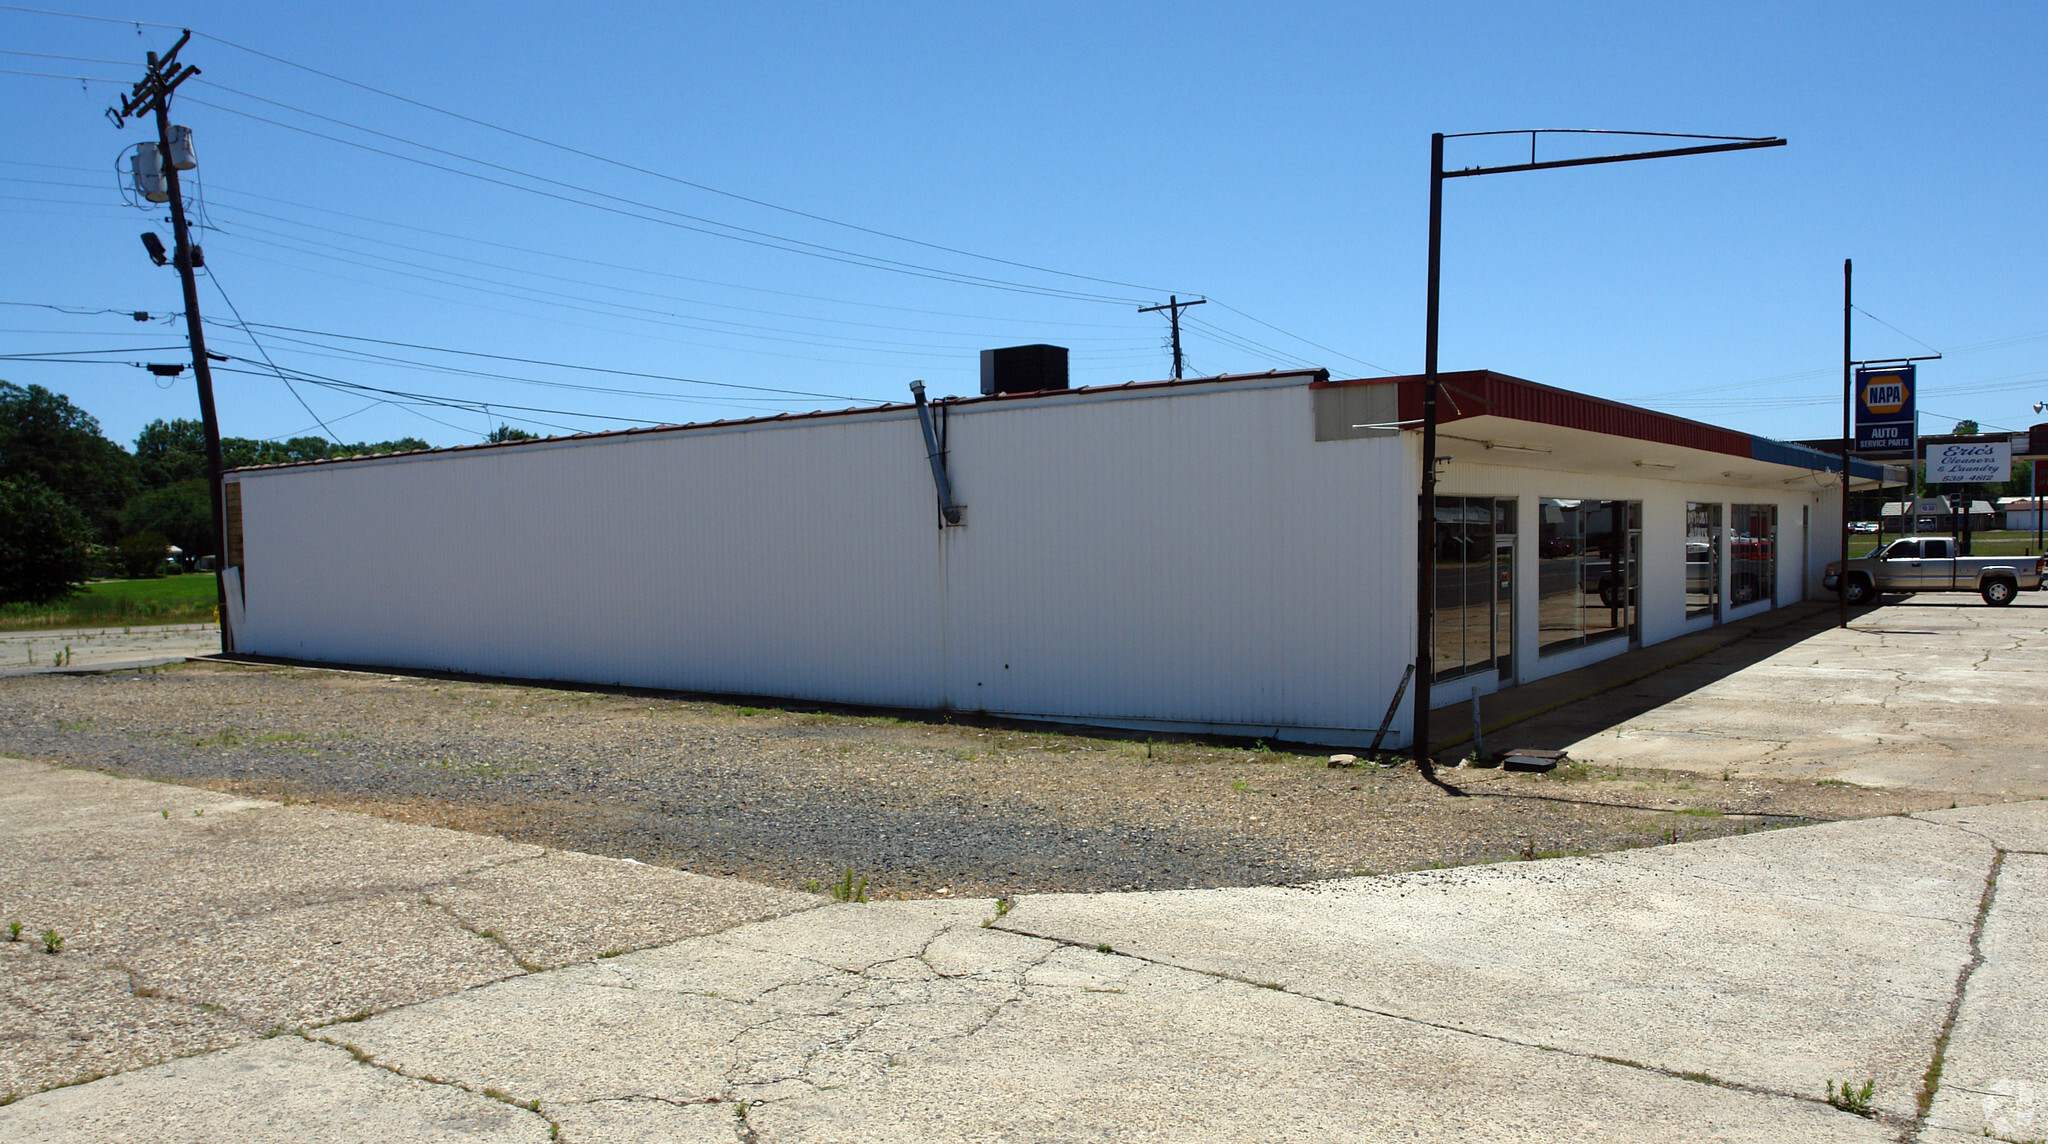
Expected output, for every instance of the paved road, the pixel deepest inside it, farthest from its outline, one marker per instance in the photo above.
(1704, 991)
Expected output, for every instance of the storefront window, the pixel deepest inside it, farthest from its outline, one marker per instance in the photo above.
(1588, 552)
(1463, 630)
(1752, 553)
(1702, 560)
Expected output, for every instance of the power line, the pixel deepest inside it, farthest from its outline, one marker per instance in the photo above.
(1892, 328)
(563, 365)
(1305, 341)
(683, 320)
(139, 24)
(641, 269)
(342, 353)
(672, 178)
(245, 226)
(237, 312)
(746, 235)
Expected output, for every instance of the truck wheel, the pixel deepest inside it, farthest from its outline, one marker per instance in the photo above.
(1859, 590)
(1999, 593)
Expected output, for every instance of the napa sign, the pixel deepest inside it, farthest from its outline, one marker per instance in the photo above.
(1884, 410)
(1969, 463)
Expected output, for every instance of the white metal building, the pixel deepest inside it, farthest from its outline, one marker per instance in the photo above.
(1232, 555)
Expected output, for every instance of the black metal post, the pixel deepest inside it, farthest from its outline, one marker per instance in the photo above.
(1425, 522)
(1848, 399)
(1425, 517)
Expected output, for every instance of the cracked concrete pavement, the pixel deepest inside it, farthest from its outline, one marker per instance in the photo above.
(1702, 991)
(1935, 691)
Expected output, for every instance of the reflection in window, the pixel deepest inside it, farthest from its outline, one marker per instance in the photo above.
(1702, 560)
(1588, 552)
(1462, 637)
(1752, 553)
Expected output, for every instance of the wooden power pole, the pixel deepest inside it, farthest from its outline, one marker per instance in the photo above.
(1173, 307)
(152, 93)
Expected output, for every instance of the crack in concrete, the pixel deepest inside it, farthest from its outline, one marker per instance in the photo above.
(488, 935)
(1423, 1022)
(1931, 1082)
(362, 1058)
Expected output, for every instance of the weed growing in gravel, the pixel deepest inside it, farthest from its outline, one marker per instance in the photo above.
(1568, 773)
(1103, 947)
(52, 941)
(1698, 811)
(13, 931)
(849, 888)
(167, 814)
(1856, 1100)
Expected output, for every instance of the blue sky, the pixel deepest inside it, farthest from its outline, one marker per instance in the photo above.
(1273, 159)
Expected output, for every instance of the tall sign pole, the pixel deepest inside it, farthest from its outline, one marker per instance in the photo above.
(153, 93)
(1425, 523)
(1848, 400)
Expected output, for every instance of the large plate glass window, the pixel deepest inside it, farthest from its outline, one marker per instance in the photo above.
(1752, 553)
(1473, 585)
(1702, 560)
(1588, 556)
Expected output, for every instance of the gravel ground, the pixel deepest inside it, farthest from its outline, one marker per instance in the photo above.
(794, 797)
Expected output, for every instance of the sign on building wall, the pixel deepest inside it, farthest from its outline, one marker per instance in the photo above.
(1969, 463)
(1884, 410)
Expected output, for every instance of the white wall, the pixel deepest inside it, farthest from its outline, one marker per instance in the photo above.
(1186, 557)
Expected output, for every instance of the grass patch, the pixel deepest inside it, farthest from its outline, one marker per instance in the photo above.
(187, 599)
(1699, 811)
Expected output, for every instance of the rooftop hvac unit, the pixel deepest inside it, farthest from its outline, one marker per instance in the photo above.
(182, 158)
(148, 166)
(1023, 369)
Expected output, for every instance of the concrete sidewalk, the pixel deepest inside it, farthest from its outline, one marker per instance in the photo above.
(1705, 991)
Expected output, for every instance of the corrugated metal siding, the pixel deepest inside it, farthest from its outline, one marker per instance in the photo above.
(1191, 558)
(754, 561)
(1184, 555)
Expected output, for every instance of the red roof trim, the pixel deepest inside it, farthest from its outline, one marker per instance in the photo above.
(1483, 393)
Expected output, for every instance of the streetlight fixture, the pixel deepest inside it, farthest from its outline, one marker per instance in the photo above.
(1425, 534)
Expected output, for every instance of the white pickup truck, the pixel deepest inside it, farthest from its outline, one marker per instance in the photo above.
(1930, 564)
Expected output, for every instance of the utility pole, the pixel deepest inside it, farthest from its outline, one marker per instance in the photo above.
(1173, 307)
(153, 93)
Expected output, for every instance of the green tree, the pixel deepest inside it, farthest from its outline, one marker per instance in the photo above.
(182, 514)
(44, 436)
(42, 542)
(505, 433)
(141, 555)
(167, 452)
(1967, 428)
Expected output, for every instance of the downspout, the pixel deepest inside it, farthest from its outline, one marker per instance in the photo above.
(949, 513)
